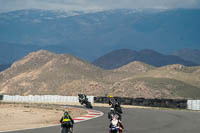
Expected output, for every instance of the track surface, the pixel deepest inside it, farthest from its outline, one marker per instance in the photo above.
(137, 121)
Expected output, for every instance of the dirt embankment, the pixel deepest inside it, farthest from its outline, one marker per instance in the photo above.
(21, 116)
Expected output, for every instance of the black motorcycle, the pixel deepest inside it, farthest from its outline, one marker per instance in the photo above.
(83, 100)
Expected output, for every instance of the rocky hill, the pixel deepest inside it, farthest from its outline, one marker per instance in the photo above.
(43, 72)
(134, 67)
(169, 81)
(151, 87)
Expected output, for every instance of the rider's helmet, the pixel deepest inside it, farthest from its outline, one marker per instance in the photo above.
(65, 113)
(110, 96)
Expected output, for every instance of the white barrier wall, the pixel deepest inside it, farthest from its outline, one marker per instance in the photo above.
(44, 98)
(193, 104)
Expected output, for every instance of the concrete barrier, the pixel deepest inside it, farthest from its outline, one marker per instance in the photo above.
(193, 104)
(44, 98)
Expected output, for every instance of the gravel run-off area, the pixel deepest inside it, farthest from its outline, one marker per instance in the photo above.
(15, 116)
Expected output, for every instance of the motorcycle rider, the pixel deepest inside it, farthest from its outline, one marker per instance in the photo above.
(118, 107)
(115, 123)
(112, 101)
(67, 121)
(82, 98)
(115, 104)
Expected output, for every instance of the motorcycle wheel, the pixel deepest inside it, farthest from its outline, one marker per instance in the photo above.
(66, 130)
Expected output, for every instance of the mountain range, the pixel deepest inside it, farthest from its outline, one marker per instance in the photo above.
(121, 57)
(93, 34)
(46, 73)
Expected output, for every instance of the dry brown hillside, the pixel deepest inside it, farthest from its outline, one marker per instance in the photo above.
(134, 67)
(43, 72)
(126, 71)
(172, 81)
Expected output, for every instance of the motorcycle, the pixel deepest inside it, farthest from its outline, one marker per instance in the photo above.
(84, 100)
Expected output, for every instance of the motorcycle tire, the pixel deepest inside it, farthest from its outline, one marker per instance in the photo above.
(66, 130)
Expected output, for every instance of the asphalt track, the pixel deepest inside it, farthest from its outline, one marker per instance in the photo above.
(137, 121)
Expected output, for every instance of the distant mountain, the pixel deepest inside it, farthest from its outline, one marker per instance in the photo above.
(192, 55)
(3, 67)
(47, 73)
(115, 59)
(118, 58)
(90, 35)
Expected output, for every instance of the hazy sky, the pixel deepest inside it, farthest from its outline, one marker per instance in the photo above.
(9, 5)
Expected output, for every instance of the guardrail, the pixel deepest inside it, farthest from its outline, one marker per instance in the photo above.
(166, 103)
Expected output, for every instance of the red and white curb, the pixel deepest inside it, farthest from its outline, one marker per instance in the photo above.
(91, 115)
